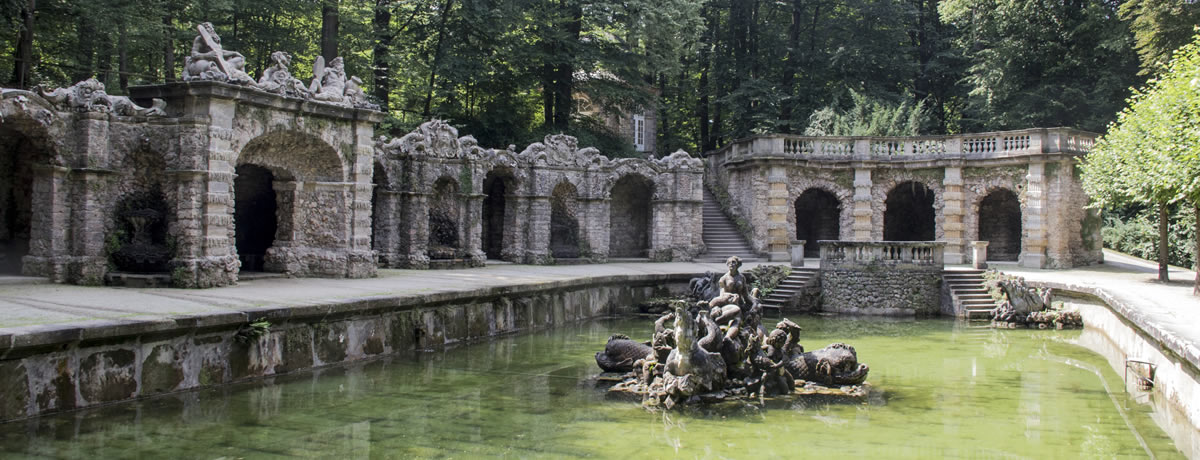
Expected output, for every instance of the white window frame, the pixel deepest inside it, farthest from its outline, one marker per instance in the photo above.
(639, 133)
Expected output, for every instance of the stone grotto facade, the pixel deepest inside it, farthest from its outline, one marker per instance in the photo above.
(1018, 190)
(441, 200)
(196, 183)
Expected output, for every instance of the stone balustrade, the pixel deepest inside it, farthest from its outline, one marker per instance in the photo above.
(966, 146)
(849, 254)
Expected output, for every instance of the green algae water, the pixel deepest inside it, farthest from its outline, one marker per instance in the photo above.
(940, 389)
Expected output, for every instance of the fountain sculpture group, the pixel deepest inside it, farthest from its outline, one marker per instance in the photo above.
(718, 349)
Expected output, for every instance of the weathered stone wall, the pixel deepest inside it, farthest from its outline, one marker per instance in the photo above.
(882, 290)
(435, 150)
(90, 152)
(74, 368)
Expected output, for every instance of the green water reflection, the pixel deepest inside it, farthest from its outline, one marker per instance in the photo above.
(947, 391)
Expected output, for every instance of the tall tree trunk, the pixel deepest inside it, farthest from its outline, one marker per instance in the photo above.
(382, 52)
(437, 58)
(564, 85)
(168, 48)
(104, 57)
(1163, 243)
(85, 50)
(703, 104)
(123, 55)
(23, 52)
(548, 95)
(329, 29)
(790, 67)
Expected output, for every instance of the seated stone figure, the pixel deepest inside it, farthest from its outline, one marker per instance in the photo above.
(735, 295)
(208, 61)
(279, 80)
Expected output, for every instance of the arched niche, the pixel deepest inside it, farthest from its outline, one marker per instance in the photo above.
(564, 221)
(630, 216)
(1000, 224)
(18, 156)
(818, 217)
(255, 215)
(909, 214)
(445, 217)
(497, 214)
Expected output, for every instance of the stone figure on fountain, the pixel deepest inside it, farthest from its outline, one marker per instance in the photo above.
(719, 350)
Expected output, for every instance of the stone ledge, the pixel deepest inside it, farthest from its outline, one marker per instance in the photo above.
(14, 340)
(1144, 323)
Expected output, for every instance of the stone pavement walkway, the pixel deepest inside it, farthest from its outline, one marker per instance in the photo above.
(1167, 311)
(27, 304)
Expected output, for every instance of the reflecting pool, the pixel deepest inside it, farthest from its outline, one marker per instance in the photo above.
(941, 390)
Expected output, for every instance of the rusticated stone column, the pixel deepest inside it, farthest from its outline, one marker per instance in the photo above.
(537, 243)
(777, 212)
(953, 213)
(1033, 254)
(862, 205)
(48, 244)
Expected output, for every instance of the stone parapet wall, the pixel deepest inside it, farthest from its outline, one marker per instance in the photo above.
(878, 278)
(59, 368)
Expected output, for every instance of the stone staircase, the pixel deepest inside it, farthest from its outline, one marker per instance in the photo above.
(970, 298)
(721, 235)
(788, 288)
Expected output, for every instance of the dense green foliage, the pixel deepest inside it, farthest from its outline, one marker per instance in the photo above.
(1151, 154)
(1137, 235)
(509, 71)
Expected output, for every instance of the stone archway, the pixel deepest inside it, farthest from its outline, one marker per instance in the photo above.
(498, 186)
(291, 204)
(564, 222)
(1000, 225)
(818, 217)
(255, 220)
(909, 214)
(630, 217)
(445, 240)
(17, 154)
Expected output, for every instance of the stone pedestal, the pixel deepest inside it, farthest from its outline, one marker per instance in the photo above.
(798, 253)
(979, 254)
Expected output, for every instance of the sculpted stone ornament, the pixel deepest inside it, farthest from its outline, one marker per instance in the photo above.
(85, 96)
(208, 61)
(89, 96)
(279, 80)
(719, 351)
(329, 82)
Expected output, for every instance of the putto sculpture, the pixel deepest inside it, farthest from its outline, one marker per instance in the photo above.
(719, 350)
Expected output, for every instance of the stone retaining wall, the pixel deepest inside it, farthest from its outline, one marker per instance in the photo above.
(75, 367)
(883, 291)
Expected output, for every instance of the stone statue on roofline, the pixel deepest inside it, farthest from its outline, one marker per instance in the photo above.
(279, 80)
(208, 61)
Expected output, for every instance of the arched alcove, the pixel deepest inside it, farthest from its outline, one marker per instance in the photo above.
(380, 217)
(818, 215)
(255, 215)
(909, 213)
(17, 156)
(630, 217)
(444, 218)
(564, 222)
(1000, 225)
(497, 186)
